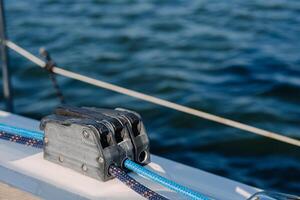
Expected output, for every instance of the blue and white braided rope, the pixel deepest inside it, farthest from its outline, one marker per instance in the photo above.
(133, 184)
(35, 140)
(21, 139)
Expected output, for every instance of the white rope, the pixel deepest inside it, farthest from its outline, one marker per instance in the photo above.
(154, 100)
(25, 53)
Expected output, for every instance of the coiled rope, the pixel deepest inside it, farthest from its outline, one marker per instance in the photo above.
(152, 99)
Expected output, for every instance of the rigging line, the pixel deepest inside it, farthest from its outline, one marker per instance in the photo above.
(155, 100)
(35, 139)
(133, 184)
(49, 65)
(153, 176)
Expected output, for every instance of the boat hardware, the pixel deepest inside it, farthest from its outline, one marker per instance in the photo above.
(123, 120)
(33, 138)
(90, 140)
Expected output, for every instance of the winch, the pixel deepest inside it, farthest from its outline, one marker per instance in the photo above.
(90, 140)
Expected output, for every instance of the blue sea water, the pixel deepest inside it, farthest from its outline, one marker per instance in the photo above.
(238, 59)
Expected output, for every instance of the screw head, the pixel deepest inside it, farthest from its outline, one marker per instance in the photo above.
(100, 160)
(84, 167)
(46, 140)
(61, 159)
(86, 134)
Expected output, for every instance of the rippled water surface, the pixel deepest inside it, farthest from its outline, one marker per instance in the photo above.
(235, 58)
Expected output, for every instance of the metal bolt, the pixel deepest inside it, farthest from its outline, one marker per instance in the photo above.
(61, 159)
(46, 140)
(100, 160)
(84, 167)
(86, 134)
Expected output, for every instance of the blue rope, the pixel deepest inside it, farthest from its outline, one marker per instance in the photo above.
(133, 184)
(22, 132)
(21, 139)
(35, 139)
(163, 181)
(9, 133)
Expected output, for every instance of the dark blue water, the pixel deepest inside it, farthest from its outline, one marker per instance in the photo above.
(235, 58)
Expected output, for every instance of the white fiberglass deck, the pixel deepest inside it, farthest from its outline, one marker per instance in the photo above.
(24, 167)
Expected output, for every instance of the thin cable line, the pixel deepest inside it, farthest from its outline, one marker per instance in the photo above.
(153, 99)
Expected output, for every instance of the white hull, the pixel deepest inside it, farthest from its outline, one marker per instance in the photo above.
(24, 167)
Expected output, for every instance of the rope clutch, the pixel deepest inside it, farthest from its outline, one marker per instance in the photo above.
(90, 140)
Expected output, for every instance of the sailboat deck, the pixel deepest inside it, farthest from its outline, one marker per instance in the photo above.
(24, 168)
